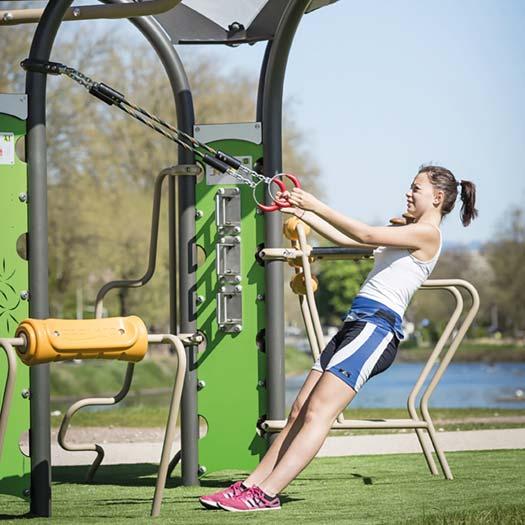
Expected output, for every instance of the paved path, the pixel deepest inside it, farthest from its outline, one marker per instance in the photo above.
(145, 451)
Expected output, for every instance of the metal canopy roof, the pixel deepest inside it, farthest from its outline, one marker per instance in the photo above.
(233, 22)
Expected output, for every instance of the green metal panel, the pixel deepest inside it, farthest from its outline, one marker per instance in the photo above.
(232, 366)
(14, 466)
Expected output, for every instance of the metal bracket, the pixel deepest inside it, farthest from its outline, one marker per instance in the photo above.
(229, 308)
(228, 259)
(228, 211)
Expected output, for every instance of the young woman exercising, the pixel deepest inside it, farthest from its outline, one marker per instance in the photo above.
(366, 345)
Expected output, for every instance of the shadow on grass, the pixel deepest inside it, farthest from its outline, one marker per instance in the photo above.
(25, 516)
(143, 475)
(130, 475)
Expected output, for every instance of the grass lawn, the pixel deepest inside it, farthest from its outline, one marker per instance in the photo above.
(488, 489)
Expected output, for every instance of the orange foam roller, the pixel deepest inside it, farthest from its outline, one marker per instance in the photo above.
(290, 228)
(48, 340)
(298, 284)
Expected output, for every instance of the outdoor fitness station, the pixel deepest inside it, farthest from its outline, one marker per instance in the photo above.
(226, 258)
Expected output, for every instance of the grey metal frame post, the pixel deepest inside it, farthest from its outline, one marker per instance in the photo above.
(39, 436)
(270, 108)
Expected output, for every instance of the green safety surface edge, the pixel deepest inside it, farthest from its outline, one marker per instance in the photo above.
(231, 365)
(14, 465)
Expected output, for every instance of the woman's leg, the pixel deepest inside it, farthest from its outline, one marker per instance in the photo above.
(287, 434)
(328, 399)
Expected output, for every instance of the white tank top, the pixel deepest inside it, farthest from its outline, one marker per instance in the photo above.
(396, 276)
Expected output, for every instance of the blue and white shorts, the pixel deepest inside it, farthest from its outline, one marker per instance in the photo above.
(360, 350)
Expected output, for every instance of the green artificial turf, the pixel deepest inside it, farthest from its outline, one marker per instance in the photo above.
(488, 489)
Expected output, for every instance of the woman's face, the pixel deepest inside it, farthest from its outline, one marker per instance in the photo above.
(421, 196)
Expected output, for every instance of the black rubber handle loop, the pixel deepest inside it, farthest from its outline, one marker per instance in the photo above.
(215, 163)
(106, 93)
(228, 159)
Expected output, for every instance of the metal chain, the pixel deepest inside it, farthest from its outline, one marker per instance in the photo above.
(79, 77)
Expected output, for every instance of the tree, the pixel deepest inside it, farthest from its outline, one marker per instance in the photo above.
(339, 282)
(506, 256)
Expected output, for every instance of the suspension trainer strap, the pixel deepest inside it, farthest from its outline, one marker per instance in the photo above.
(218, 160)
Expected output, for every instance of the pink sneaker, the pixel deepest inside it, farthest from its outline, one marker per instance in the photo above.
(210, 501)
(249, 500)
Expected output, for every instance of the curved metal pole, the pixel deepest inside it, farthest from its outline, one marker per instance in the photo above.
(152, 258)
(92, 401)
(411, 401)
(91, 12)
(270, 109)
(443, 366)
(40, 442)
(169, 434)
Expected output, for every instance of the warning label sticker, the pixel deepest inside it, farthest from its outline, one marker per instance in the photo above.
(7, 148)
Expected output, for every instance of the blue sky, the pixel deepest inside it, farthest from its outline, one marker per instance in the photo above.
(392, 85)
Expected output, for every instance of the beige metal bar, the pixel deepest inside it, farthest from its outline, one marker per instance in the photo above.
(169, 435)
(411, 401)
(348, 424)
(310, 298)
(444, 364)
(288, 254)
(91, 12)
(92, 401)
(186, 339)
(280, 254)
(312, 339)
(7, 344)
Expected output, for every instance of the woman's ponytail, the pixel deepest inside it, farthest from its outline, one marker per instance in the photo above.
(468, 200)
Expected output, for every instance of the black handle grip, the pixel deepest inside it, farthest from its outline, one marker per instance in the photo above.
(106, 93)
(216, 163)
(228, 159)
(40, 66)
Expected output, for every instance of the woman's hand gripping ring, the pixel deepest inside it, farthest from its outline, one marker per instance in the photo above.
(279, 203)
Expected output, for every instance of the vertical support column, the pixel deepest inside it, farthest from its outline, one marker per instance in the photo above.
(39, 434)
(273, 70)
(181, 199)
(187, 267)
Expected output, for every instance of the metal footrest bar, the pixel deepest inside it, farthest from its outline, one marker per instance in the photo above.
(348, 424)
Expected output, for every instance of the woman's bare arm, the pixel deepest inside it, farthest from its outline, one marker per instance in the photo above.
(328, 231)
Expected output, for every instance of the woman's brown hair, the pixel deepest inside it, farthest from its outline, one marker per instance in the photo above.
(444, 180)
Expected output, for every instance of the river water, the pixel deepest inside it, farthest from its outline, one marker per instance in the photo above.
(464, 385)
